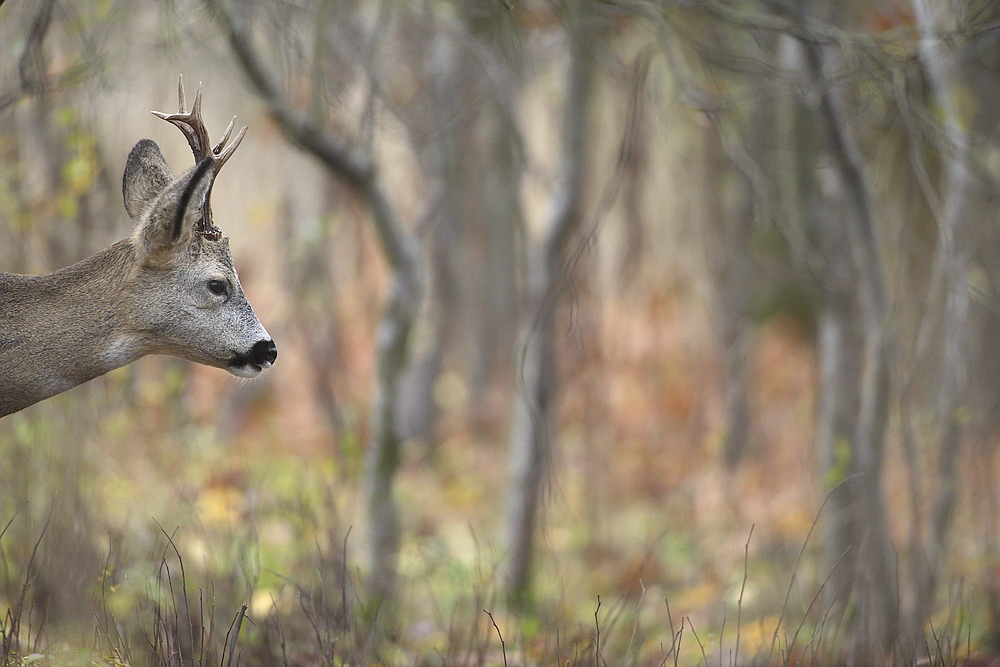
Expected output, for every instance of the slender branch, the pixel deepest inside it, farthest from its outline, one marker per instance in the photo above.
(31, 65)
(851, 167)
(503, 647)
(810, 29)
(355, 169)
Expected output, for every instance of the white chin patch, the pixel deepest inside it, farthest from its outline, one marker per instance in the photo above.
(245, 371)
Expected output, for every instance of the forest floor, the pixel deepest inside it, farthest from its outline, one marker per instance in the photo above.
(129, 535)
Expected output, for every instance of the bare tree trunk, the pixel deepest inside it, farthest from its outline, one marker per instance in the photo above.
(877, 595)
(497, 295)
(443, 159)
(532, 418)
(504, 230)
(818, 215)
(358, 172)
(530, 433)
(384, 451)
(734, 151)
(730, 229)
(840, 366)
(944, 78)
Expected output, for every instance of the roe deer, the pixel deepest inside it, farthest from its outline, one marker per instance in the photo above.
(169, 288)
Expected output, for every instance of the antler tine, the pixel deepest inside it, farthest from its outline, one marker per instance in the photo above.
(193, 126)
(196, 107)
(230, 149)
(225, 135)
(190, 123)
(180, 93)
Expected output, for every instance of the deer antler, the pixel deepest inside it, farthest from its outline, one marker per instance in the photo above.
(192, 125)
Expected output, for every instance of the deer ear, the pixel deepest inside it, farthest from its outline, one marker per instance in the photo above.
(146, 176)
(170, 218)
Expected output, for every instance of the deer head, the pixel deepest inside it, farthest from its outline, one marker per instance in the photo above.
(170, 288)
(193, 304)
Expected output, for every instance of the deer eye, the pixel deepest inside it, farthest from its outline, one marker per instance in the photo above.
(217, 287)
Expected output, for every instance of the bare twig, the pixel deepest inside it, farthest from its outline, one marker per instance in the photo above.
(798, 559)
(739, 602)
(11, 520)
(680, 637)
(815, 597)
(233, 635)
(597, 624)
(503, 648)
(635, 622)
(694, 632)
(187, 606)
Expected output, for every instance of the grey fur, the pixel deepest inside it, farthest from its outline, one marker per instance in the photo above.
(146, 175)
(146, 294)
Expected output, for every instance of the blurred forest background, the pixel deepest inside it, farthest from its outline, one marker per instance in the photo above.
(637, 324)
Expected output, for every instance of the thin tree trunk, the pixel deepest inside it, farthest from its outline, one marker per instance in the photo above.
(532, 418)
(840, 365)
(357, 171)
(497, 41)
(443, 159)
(730, 228)
(877, 596)
(384, 451)
(504, 229)
(530, 434)
(944, 78)
(815, 215)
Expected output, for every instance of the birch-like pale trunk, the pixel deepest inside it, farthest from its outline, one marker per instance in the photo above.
(532, 422)
(944, 77)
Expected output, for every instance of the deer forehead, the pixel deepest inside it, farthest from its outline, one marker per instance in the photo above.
(213, 253)
(201, 256)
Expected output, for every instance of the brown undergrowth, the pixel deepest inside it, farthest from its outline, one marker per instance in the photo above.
(180, 619)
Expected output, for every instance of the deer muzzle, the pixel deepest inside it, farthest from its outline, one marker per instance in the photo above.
(263, 353)
(261, 357)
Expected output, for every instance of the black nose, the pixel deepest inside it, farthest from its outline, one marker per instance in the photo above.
(263, 352)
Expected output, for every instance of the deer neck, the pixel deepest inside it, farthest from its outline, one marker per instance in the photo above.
(62, 329)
